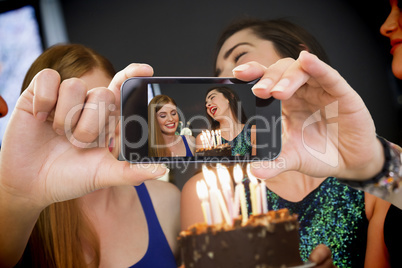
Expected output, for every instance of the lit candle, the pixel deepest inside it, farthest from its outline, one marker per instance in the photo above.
(213, 138)
(214, 192)
(240, 192)
(202, 192)
(264, 199)
(203, 141)
(220, 137)
(224, 180)
(217, 137)
(209, 138)
(216, 213)
(236, 203)
(255, 193)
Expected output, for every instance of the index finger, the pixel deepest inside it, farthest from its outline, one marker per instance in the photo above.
(44, 90)
(324, 75)
(331, 82)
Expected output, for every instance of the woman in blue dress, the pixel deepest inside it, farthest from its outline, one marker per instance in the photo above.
(163, 118)
(81, 208)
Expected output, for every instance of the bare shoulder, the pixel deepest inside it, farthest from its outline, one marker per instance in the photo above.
(253, 130)
(375, 206)
(162, 190)
(198, 137)
(190, 205)
(189, 186)
(376, 211)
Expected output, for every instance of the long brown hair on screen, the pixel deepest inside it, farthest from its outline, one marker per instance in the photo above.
(156, 143)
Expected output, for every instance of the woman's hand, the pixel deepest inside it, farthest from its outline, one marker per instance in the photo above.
(322, 257)
(55, 146)
(327, 129)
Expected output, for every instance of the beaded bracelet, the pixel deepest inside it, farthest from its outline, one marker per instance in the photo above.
(391, 175)
(389, 180)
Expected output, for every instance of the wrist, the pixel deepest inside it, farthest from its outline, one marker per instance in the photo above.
(18, 204)
(389, 177)
(17, 219)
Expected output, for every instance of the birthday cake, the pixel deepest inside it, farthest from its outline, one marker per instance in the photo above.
(267, 240)
(219, 150)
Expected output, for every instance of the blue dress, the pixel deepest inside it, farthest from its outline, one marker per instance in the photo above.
(188, 151)
(158, 253)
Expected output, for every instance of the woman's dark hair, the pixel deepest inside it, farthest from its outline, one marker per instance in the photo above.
(288, 38)
(234, 104)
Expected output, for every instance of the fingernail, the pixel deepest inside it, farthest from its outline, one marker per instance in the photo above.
(111, 144)
(281, 85)
(263, 84)
(241, 68)
(164, 174)
(146, 67)
(42, 116)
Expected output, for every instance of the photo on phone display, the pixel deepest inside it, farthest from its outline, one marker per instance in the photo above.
(197, 119)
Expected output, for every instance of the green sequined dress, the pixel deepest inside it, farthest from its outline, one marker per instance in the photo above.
(333, 214)
(241, 144)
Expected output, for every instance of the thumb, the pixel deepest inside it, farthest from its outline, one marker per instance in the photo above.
(270, 168)
(321, 256)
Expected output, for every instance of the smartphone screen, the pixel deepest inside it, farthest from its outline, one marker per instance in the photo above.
(220, 120)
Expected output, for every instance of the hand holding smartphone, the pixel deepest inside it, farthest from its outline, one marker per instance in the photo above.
(228, 123)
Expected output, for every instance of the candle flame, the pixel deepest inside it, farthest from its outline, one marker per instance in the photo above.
(237, 173)
(252, 178)
(223, 176)
(209, 177)
(202, 190)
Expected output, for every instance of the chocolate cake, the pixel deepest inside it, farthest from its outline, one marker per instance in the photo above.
(220, 150)
(269, 240)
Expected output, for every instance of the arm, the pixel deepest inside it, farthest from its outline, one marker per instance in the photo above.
(376, 251)
(41, 164)
(334, 145)
(253, 140)
(18, 217)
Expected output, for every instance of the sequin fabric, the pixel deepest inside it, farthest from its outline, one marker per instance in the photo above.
(241, 144)
(333, 214)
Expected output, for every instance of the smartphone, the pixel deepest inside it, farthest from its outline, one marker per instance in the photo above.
(140, 130)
